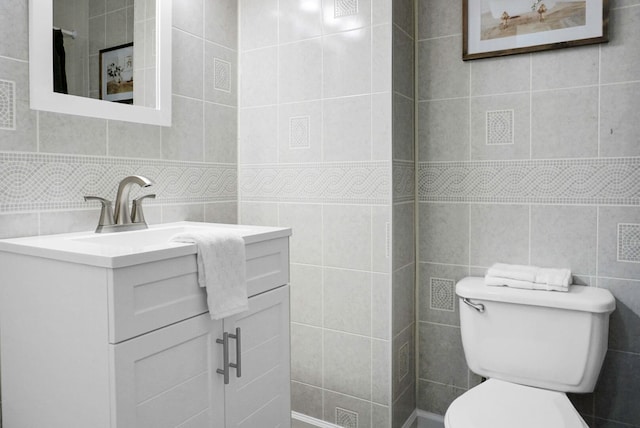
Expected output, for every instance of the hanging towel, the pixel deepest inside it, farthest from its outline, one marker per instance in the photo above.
(221, 269)
(529, 277)
(59, 63)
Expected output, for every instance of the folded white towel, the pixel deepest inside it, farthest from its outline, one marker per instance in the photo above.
(554, 277)
(527, 285)
(221, 270)
(529, 277)
(519, 272)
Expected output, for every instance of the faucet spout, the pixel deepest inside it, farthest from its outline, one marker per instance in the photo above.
(122, 214)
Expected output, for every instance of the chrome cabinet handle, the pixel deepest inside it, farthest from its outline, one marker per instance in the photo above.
(225, 352)
(238, 364)
(477, 306)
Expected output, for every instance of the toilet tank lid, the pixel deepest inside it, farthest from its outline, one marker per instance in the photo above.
(578, 298)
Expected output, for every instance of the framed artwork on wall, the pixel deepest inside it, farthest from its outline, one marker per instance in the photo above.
(504, 27)
(116, 74)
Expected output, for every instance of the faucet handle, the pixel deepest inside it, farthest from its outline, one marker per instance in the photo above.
(137, 216)
(106, 214)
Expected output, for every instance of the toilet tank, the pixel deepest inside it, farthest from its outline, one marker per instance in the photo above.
(547, 339)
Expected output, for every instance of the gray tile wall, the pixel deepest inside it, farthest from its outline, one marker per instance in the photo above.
(315, 150)
(403, 230)
(560, 191)
(49, 161)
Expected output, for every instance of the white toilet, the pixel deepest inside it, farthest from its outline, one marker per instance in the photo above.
(534, 347)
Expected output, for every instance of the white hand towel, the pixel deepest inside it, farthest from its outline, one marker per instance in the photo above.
(527, 285)
(518, 272)
(553, 277)
(221, 270)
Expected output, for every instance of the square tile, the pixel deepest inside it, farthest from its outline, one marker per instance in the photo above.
(443, 74)
(300, 71)
(347, 364)
(443, 130)
(610, 241)
(346, 63)
(300, 132)
(441, 355)
(565, 123)
(564, 236)
(494, 225)
(500, 127)
(347, 301)
(444, 233)
(436, 308)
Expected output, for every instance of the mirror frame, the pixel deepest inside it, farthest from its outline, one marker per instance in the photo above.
(42, 96)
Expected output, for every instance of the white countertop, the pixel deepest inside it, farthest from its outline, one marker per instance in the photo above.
(119, 249)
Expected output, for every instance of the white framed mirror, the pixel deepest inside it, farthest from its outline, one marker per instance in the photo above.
(146, 73)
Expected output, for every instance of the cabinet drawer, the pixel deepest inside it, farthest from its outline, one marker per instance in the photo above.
(267, 265)
(149, 296)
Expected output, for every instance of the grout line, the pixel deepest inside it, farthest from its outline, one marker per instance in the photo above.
(530, 106)
(599, 96)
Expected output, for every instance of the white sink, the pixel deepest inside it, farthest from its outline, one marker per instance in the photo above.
(150, 237)
(127, 248)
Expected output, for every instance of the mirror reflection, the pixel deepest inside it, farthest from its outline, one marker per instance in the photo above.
(105, 50)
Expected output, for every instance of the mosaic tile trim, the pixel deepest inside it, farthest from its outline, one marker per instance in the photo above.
(442, 294)
(499, 127)
(336, 182)
(346, 418)
(43, 182)
(7, 105)
(404, 182)
(345, 8)
(629, 242)
(613, 181)
(299, 132)
(221, 75)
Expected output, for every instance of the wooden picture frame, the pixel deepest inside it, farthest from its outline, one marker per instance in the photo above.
(116, 74)
(494, 28)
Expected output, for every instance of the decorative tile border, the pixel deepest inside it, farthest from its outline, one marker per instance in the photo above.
(7, 105)
(404, 181)
(45, 181)
(629, 242)
(613, 181)
(345, 8)
(442, 294)
(500, 127)
(221, 75)
(346, 418)
(299, 132)
(336, 182)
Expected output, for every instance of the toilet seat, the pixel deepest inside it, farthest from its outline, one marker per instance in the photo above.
(499, 404)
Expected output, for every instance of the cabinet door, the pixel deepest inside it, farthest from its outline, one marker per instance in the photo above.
(167, 378)
(260, 398)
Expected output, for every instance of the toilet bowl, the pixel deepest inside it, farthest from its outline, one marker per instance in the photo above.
(499, 404)
(533, 346)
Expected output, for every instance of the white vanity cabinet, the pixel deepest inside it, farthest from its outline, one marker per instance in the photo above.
(116, 341)
(168, 378)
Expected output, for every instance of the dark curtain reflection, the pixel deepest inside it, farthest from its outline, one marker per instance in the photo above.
(59, 67)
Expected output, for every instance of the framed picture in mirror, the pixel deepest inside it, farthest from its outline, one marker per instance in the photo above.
(504, 27)
(116, 74)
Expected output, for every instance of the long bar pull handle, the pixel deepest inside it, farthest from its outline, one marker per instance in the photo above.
(238, 364)
(225, 352)
(477, 306)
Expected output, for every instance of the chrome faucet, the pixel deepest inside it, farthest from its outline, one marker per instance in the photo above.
(121, 213)
(120, 219)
